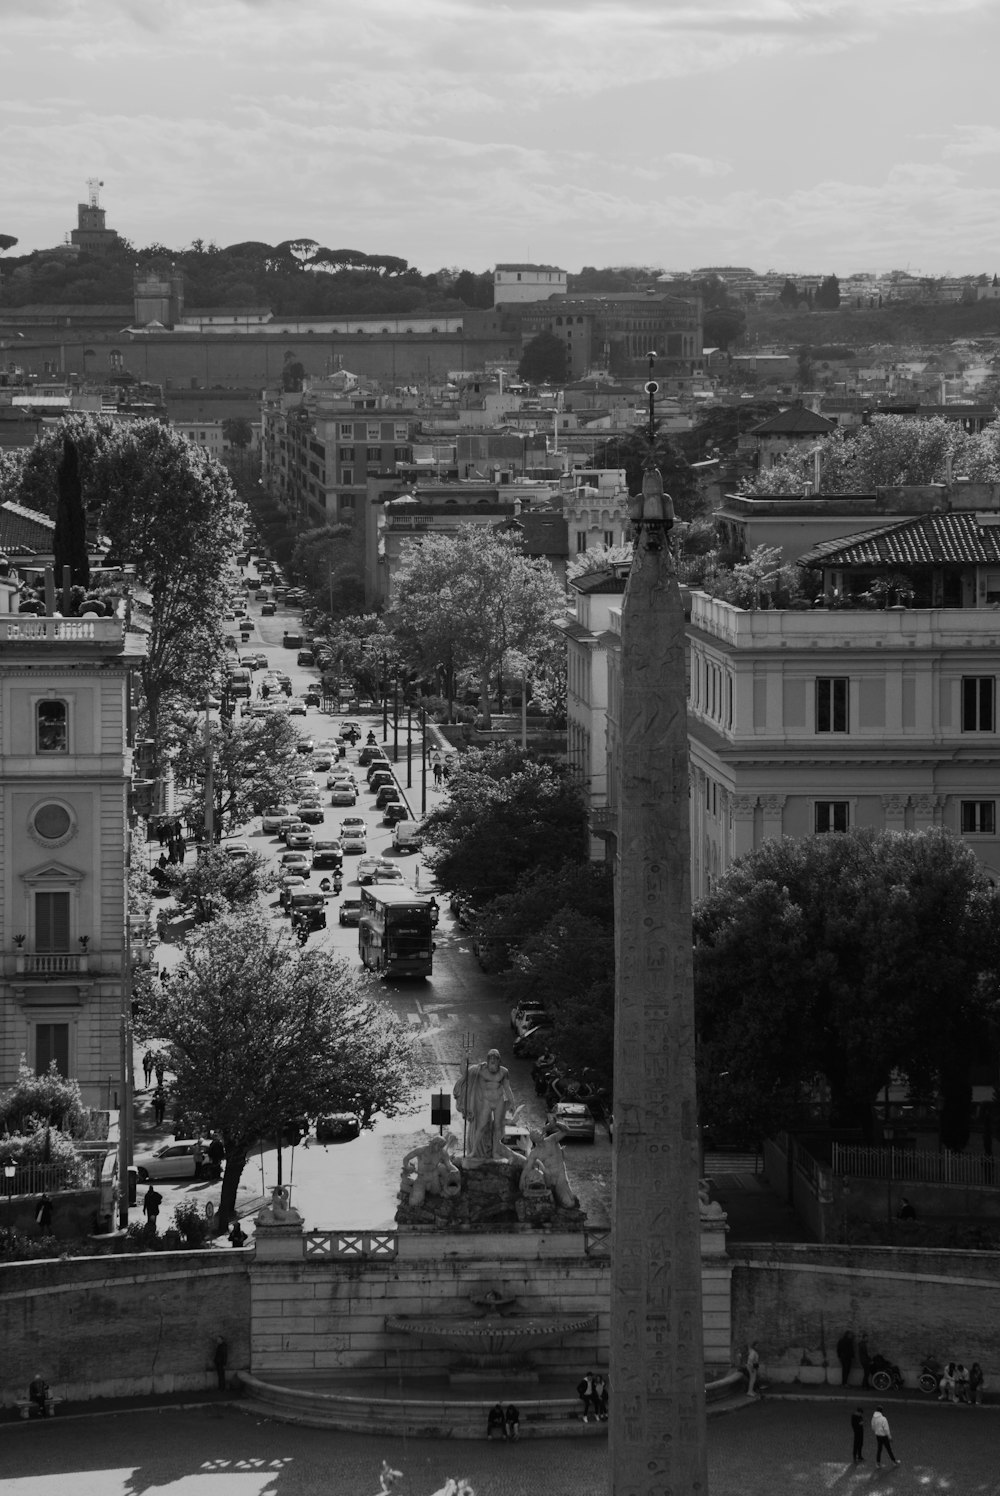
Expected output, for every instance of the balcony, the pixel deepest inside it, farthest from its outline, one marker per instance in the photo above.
(921, 629)
(28, 629)
(51, 964)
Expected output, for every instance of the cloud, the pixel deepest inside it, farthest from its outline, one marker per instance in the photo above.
(973, 140)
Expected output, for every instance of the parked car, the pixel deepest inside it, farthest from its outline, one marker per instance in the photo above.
(327, 853)
(526, 1016)
(407, 835)
(350, 911)
(305, 657)
(267, 610)
(184, 1158)
(338, 1127)
(312, 696)
(393, 814)
(575, 1119)
(367, 869)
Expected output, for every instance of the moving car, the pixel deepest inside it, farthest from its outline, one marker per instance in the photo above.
(306, 744)
(338, 1127)
(367, 868)
(311, 697)
(344, 794)
(267, 610)
(354, 841)
(299, 839)
(369, 752)
(297, 709)
(380, 778)
(393, 814)
(575, 1119)
(182, 1159)
(327, 853)
(389, 873)
(321, 762)
(296, 862)
(311, 812)
(388, 794)
(311, 905)
(289, 884)
(237, 849)
(350, 912)
(305, 657)
(293, 825)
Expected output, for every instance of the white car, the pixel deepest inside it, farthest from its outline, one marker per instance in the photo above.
(182, 1159)
(238, 849)
(272, 819)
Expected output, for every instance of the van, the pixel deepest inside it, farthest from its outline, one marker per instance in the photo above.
(240, 683)
(406, 836)
(291, 641)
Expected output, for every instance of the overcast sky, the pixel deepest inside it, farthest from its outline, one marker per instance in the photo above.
(814, 135)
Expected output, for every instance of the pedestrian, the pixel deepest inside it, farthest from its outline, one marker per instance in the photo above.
(437, 776)
(151, 1202)
(864, 1359)
(513, 1420)
(159, 1106)
(159, 1066)
(43, 1214)
(585, 1392)
(161, 832)
(858, 1434)
(237, 1236)
(178, 828)
(752, 1368)
(975, 1383)
(181, 849)
(906, 1211)
(496, 1422)
(446, 771)
(216, 1155)
(845, 1355)
(601, 1397)
(220, 1360)
(147, 1065)
(883, 1437)
(172, 858)
(946, 1386)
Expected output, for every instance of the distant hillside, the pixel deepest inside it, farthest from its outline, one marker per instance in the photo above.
(899, 322)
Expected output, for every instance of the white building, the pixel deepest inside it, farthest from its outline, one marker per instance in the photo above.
(522, 283)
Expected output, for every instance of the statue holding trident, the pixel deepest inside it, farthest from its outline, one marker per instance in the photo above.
(483, 1096)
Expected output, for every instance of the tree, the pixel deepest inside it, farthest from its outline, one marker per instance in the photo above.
(237, 431)
(254, 763)
(507, 815)
(789, 295)
(827, 296)
(472, 599)
(823, 966)
(723, 326)
(216, 882)
(330, 560)
(805, 368)
(69, 543)
(260, 1031)
(544, 360)
(474, 290)
(7, 241)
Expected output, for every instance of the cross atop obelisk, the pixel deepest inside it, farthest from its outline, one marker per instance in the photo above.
(657, 1408)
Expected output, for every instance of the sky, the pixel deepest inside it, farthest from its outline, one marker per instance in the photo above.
(815, 136)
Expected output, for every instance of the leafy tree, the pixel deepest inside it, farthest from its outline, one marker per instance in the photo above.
(237, 431)
(45, 1100)
(362, 648)
(473, 598)
(259, 1031)
(544, 360)
(827, 297)
(474, 290)
(216, 882)
(254, 762)
(722, 326)
(789, 295)
(7, 241)
(747, 584)
(508, 921)
(507, 815)
(330, 561)
(631, 452)
(805, 368)
(69, 543)
(827, 964)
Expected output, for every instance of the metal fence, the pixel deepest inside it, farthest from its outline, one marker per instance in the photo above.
(37, 1179)
(915, 1167)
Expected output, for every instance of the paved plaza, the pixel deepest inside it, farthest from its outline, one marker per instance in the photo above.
(781, 1446)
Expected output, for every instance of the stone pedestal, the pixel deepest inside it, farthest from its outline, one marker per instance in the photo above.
(279, 1243)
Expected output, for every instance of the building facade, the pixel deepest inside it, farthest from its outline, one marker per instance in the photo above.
(522, 283)
(64, 712)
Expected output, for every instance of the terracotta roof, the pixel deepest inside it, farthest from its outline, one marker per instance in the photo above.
(24, 530)
(929, 540)
(795, 421)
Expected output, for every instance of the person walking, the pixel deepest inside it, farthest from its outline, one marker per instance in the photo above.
(181, 849)
(845, 1355)
(858, 1435)
(220, 1360)
(883, 1437)
(513, 1421)
(975, 1383)
(216, 1156)
(151, 1202)
(43, 1214)
(159, 1065)
(159, 1106)
(147, 1067)
(601, 1397)
(585, 1392)
(752, 1368)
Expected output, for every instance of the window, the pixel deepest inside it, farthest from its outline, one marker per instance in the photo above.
(401, 432)
(346, 454)
(977, 703)
(347, 475)
(52, 822)
(51, 727)
(831, 815)
(52, 1044)
(609, 538)
(831, 703)
(374, 431)
(979, 817)
(581, 541)
(373, 454)
(51, 922)
(346, 430)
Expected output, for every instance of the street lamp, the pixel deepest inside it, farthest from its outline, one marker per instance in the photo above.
(9, 1171)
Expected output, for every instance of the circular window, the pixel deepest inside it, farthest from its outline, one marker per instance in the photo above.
(52, 822)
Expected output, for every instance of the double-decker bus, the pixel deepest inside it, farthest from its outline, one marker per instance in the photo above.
(395, 930)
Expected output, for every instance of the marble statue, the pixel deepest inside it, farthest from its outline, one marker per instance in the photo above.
(483, 1096)
(708, 1209)
(545, 1162)
(435, 1174)
(278, 1212)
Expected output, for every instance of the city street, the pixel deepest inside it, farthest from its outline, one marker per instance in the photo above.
(775, 1449)
(457, 1013)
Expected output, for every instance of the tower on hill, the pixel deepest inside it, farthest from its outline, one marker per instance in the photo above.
(90, 234)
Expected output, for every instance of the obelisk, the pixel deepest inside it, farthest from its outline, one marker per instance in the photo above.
(657, 1404)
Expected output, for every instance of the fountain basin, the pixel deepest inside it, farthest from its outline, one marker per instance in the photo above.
(486, 1336)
